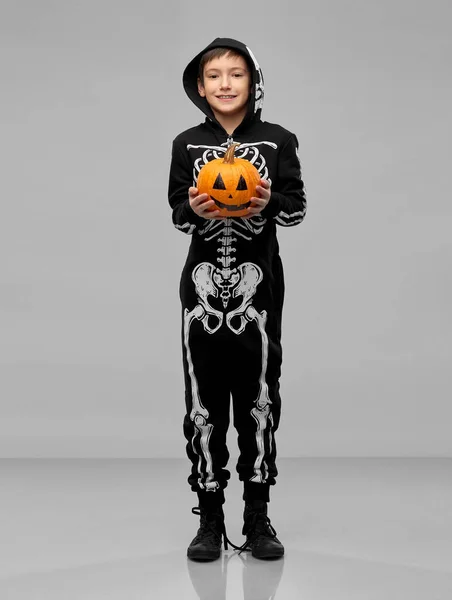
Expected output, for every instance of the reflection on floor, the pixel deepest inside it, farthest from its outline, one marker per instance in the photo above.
(118, 529)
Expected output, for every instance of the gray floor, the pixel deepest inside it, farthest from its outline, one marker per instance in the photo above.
(118, 529)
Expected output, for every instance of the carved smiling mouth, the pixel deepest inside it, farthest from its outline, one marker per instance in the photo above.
(230, 207)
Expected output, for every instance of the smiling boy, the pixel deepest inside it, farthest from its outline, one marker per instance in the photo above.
(224, 81)
(232, 293)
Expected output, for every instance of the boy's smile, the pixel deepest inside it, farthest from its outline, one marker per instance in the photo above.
(226, 86)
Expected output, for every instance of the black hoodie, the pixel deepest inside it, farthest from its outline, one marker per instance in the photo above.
(274, 152)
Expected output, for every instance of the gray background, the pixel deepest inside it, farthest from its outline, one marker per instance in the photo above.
(91, 98)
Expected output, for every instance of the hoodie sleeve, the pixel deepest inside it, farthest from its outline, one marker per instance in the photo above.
(287, 204)
(180, 179)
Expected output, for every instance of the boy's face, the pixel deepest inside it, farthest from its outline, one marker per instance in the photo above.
(226, 85)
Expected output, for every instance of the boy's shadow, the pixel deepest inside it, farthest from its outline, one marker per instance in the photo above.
(260, 579)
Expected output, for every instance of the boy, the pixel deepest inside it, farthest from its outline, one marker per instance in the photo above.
(232, 292)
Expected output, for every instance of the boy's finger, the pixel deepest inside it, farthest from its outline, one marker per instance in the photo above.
(262, 190)
(197, 200)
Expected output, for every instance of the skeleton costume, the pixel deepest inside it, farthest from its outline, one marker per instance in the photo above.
(232, 292)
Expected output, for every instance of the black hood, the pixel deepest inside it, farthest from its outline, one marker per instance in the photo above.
(190, 79)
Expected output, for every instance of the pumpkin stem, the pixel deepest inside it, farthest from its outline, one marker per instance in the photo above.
(229, 156)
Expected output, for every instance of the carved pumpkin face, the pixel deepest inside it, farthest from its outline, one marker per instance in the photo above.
(230, 182)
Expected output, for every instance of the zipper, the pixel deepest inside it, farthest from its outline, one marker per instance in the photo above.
(230, 141)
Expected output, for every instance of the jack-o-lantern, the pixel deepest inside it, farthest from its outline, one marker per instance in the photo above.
(230, 182)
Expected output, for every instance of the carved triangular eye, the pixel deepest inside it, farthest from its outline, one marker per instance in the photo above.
(219, 183)
(242, 184)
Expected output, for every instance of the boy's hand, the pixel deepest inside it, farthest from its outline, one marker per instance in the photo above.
(201, 205)
(258, 204)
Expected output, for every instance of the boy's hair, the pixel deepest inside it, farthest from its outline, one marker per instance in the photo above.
(216, 53)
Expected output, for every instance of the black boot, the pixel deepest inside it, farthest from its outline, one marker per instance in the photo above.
(260, 535)
(207, 543)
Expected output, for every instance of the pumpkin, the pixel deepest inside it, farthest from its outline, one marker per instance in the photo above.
(230, 182)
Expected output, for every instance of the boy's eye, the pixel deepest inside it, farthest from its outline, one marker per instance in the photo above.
(215, 76)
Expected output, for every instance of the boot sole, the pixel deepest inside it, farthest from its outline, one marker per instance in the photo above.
(269, 556)
(203, 556)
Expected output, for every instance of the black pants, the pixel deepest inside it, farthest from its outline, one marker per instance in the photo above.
(220, 365)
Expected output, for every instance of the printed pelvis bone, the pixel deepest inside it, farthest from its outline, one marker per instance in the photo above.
(203, 279)
(250, 275)
(226, 279)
